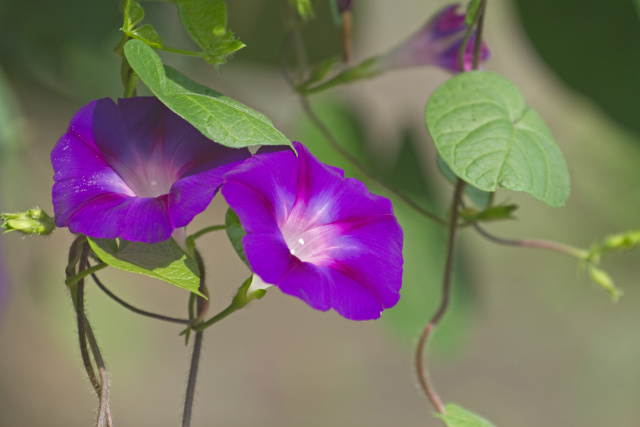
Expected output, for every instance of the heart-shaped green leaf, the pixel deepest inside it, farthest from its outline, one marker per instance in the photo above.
(164, 260)
(486, 134)
(457, 416)
(219, 118)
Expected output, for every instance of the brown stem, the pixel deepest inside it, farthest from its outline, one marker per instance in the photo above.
(85, 333)
(444, 303)
(534, 243)
(104, 410)
(81, 324)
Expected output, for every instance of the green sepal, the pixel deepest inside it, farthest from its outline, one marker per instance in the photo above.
(147, 34)
(165, 261)
(33, 221)
(602, 279)
(457, 416)
(221, 119)
(235, 233)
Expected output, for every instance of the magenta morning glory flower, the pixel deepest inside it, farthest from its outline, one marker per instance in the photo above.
(437, 43)
(317, 235)
(134, 170)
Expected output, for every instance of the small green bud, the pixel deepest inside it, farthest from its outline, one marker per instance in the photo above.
(605, 281)
(622, 241)
(33, 221)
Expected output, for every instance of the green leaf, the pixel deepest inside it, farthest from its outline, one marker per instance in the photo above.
(206, 23)
(457, 416)
(481, 199)
(164, 260)
(148, 34)
(133, 13)
(235, 233)
(486, 134)
(219, 118)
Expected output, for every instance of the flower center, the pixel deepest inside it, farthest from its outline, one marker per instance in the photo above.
(309, 242)
(152, 179)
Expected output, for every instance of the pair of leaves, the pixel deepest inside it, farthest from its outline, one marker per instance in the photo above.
(486, 134)
(204, 20)
(219, 118)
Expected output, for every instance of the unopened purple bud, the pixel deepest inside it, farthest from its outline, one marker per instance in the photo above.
(345, 5)
(437, 43)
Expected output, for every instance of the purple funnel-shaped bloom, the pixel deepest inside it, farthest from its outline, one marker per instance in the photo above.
(134, 170)
(437, 43)
(316, 235)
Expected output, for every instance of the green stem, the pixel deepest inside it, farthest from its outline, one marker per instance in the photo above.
(181, 51)
(130, 85)
(70, 281)
(202, 306)
(206, 230)
(190, 241)
(218, 317)
(364, 70)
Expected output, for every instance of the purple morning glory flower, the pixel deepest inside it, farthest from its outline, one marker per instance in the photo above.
(317, 235)
(437, 43)
(135, 170)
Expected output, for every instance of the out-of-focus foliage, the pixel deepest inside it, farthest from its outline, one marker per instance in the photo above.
(593, 47)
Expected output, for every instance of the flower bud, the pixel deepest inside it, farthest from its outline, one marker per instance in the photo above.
(602, 278)
(437, 43)
(33, 221)
(345, 5)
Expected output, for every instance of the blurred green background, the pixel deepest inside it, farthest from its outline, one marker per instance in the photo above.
(528, 342)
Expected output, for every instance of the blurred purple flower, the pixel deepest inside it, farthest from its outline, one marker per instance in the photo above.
(317, 235)
(437, 43)
(345, 5)
(134, 170)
